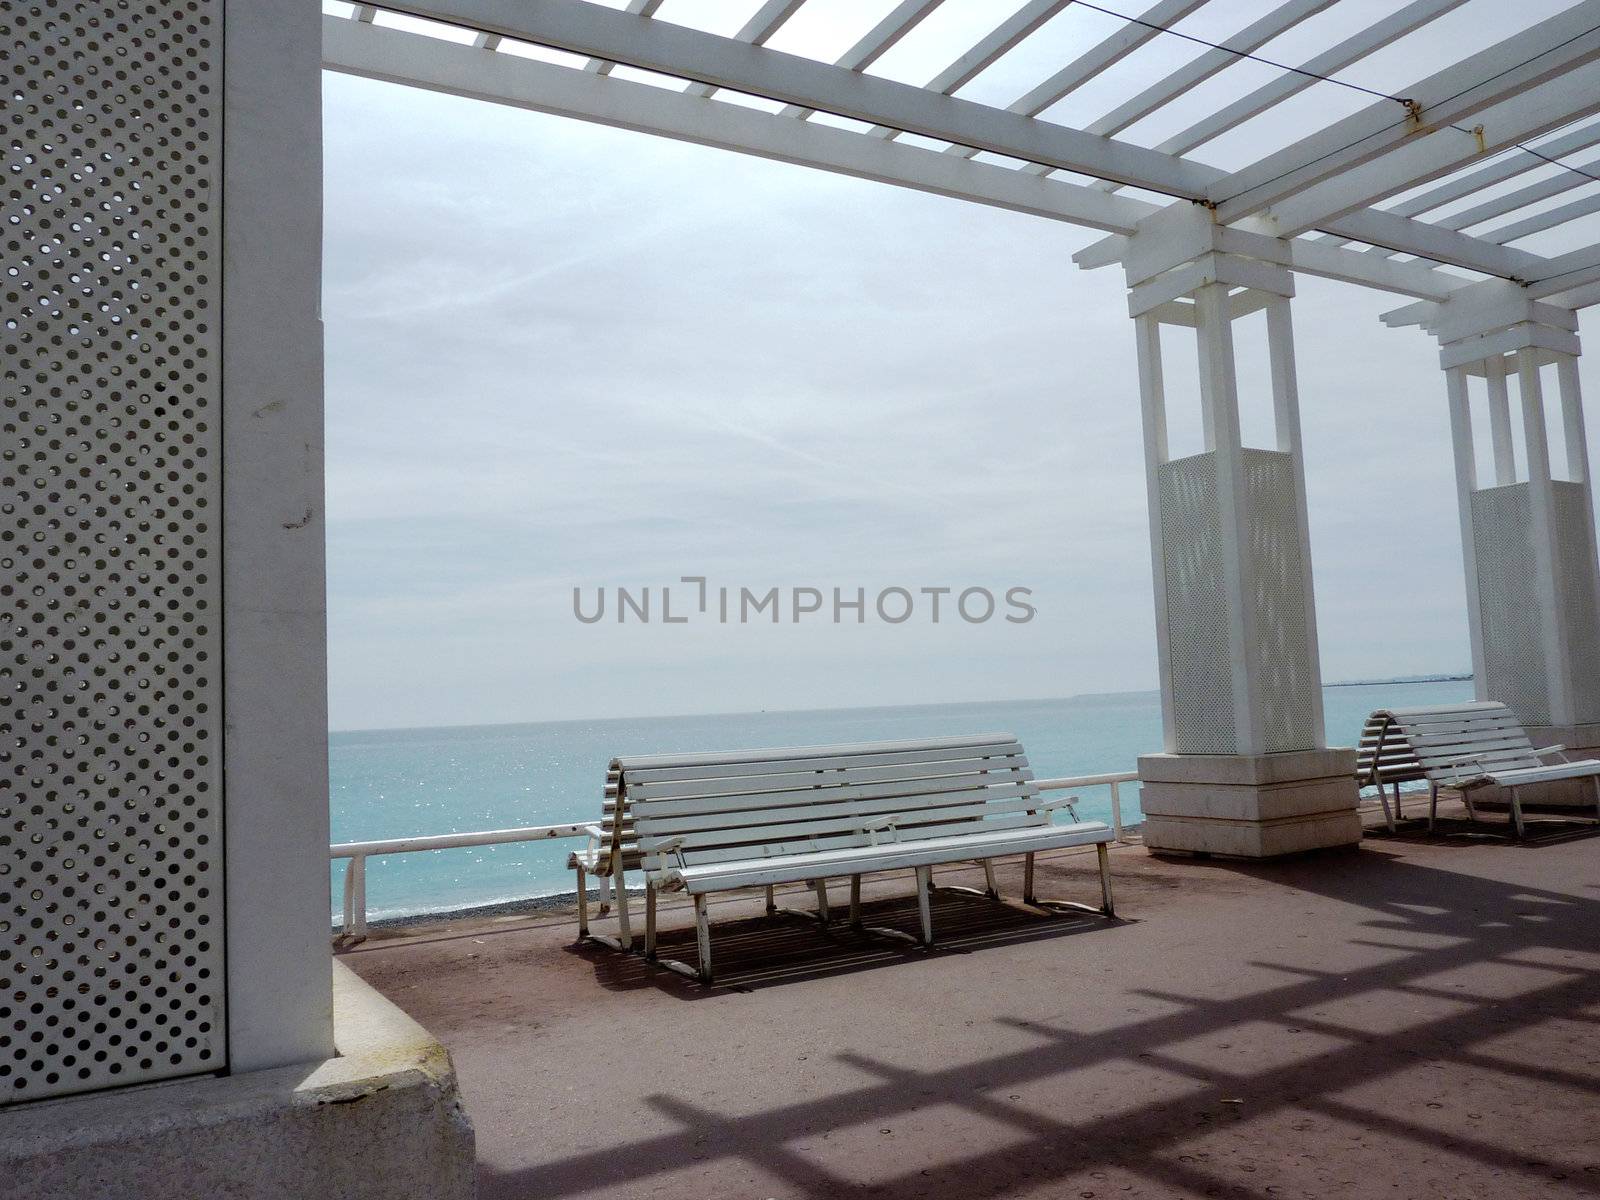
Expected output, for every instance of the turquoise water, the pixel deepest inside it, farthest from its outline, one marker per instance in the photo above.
(413, 782)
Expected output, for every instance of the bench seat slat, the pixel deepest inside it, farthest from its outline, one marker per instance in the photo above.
(802, 844)
(733, 873)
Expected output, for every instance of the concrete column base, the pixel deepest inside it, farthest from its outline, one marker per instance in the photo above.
(1580, 741)
(1249, 806)
(381, 1120)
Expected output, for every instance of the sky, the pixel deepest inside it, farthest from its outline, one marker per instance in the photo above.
(562, 356)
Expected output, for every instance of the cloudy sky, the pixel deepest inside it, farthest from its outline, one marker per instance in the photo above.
(561, 355)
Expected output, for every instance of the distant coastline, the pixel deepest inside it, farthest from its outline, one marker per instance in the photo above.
(1402, 679)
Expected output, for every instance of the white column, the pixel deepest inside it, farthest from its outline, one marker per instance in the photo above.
(1153, 410)
(1505, 467)
(1219, 399)
(1466, 483)
(1547, 553)
(1286, 409)
(274, 623)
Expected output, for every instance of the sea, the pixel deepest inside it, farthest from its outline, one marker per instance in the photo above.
(393, 783)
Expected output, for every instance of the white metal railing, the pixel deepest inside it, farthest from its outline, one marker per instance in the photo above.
(357, 853)
(1114, 781)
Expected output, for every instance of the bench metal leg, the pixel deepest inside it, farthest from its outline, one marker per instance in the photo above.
(1595, 779)
(1105, 881)
(1383, 799)
(1106, 908)
(988, 891)
(1433, 804)
(1516, 814)
(1399, 813)
(855, 901)
(822, 899)
(924, 906)
(772, 902)
(650, 920)
(702, 937)
(605, 894)
(583, 904)
(624, 918)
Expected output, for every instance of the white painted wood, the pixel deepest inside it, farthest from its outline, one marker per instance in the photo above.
(1466, 483)
(1505, 466)
(1536, 56)
(1547, 550)
(377, 52)
(763, 23)
(875, 43)
(1279, 19)
(1286, 410)
(809, 825)
(1483, 744)
(1153, 411)
(1219, 400)
(1291, 83)
(690, 54)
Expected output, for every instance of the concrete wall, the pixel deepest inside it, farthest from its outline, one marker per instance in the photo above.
(381, 1120)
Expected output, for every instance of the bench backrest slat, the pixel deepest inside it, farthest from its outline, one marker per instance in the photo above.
(758, 804)
(1444, 744)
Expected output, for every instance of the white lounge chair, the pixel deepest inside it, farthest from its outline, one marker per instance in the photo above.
(758, 818)
(1465, 747)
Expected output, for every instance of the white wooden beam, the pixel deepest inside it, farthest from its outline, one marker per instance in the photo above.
(599, 66)
(1539, 222)
(1555, 102)
(763, 23)
(1291, 83)
(1565, 272)
(1279, 19)
(1514, 66)
(654, 45)
(875, 43)
(1514, 163)
(1003, 38)
(377, 52)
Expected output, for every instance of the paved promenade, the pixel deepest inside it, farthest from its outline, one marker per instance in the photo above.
(1412, 1019)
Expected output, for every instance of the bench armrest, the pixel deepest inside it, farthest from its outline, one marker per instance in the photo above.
(1541, 751)
(873, 827)
(1066, 802)
(596, 834)
(1457, 776)
(673, 845)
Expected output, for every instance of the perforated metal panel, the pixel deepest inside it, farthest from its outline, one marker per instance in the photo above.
(1579, 602)
(1508, 601)
(111, 964)
(1197, 606)
(1200, 664)
(1286, 675)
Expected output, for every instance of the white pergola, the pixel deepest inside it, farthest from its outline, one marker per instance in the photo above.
(1436, 189)
(163, 799)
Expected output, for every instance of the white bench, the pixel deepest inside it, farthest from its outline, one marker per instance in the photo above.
(759, 818)
(611, 851)
(1465, 747)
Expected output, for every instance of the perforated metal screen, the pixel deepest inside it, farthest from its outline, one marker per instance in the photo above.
(1578, 599)
(111, 957)
(1197, 606)
(1508, 601)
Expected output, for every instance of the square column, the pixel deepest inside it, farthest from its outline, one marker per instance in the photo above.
(1528, 537)
(1245, 769)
